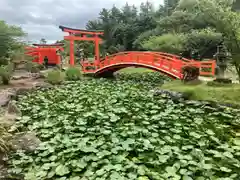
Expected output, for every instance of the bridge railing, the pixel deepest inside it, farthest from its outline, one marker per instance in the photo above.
(166, 64)
(155, 60)
(174, 56)
(207, 68)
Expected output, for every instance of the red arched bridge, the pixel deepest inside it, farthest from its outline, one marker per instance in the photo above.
(165, 63)
(168, 64)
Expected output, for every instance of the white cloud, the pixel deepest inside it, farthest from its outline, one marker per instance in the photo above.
(41, 18)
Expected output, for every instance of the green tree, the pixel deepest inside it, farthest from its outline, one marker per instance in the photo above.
(122, 26)
(177, 26)
(185, 19)
(170, 5)
(203, 41)
(236, 5)
(226, 21)
(43, 41)
(10, 41)
(172, 43)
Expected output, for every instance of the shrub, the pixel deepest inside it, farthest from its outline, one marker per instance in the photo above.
(188, 94)
(190, 73)
(33, 67)
(40, 66)
(194, 82)
(73, 74)
(147, 78)
(28, 66)
(5, 74)
(223, 80)
(220, 82)
(10, 67)
(58, 67)
(172, 43)
(55, 77)
(3, 61)
(4, 137)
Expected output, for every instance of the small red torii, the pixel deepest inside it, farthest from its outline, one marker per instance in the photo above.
(82, 35)
(41, 51)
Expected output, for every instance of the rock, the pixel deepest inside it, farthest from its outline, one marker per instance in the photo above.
(18, 77)
(42, 85)
(12, 92)
(12, 108)
(43, 74)
(8, 120)
(45, 71)
(36, 75)
(171, 94)
(23, 90)
(5, 96)
(25, 141)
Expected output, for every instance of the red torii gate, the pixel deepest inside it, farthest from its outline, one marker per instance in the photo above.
(82, 35)
(40, 51)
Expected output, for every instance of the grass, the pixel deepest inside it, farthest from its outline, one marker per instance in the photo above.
(224, 94)
(135, 70)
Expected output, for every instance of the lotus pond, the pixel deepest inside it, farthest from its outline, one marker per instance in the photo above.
(100, 129)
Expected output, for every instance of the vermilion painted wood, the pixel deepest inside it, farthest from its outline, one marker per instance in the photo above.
(164, 62)
(83, 35)
(80, 31)
(82, 38)
(41, 50)
(168, 64)
(57, 45)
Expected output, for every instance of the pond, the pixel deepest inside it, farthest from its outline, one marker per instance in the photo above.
(118, 129)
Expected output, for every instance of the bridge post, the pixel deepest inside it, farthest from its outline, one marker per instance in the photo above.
(71, 52)
(213, 68)
(97, 50)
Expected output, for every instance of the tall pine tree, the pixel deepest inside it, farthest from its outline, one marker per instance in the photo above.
(170, 5)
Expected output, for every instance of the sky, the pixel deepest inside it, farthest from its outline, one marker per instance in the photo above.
(41, 18)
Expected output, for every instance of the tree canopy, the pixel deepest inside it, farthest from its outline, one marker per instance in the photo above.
(183, 27)
(178, 26)
(10, 41)
(186, 27)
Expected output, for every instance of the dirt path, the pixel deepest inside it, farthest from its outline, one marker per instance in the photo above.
(202, 78)
(20, 81)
